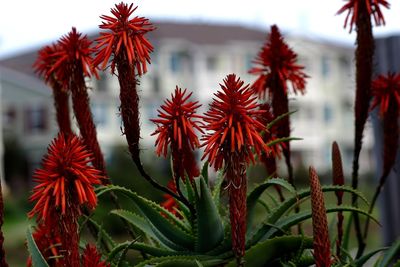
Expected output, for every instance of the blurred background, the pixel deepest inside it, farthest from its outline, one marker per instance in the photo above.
(197, 43)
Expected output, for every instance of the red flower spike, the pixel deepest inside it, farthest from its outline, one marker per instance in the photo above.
(386, 90)
(65, 176)
(321, 244)
(338, 179)
(124, 38)
(45, 62)
(49, 244)
(169, 202)
(73, 55)
(277, 60)
(176, 127)
(92, 258)
(234, 124)
(372, 7)
(42, 66)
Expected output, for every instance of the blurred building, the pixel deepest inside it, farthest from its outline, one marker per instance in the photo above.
(197, 57)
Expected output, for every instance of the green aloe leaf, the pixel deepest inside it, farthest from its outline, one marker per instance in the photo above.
(209, 228)
(136, 221)
(270, 250)
(158, 252)
(204, 171)
(182, 261)
(390, 254)
(37, 257)
(117, 249)
(161, 220)
(278, 118)
(294, 219)
(361, 261)
(255, 194)
(289, 203)
(216, 193)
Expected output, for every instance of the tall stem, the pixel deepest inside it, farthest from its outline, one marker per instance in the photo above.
(130, 117)
(80, 104)
(237, 189)
(62, 108)
(364, 60)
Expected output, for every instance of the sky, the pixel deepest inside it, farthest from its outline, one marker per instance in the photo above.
(27, 24)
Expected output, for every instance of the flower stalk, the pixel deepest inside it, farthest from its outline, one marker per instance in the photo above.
(322, 252)
(234, 123)
(359, 12)
(338, 179)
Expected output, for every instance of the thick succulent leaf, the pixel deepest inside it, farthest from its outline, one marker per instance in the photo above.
(216, 193)
(159, 218)
(158, 252)
(289, 203)
(37, 257)
(291, 220)
(209, 228)
(362, 260)
(346, 238)
(270, 250)
(390, 254)
(147, 228)
(177, 261)
(145, 203)
(255, 194)
(103, 235)
(204, 171)
(223, 250)
(117, 249)
(283, 139)
(278, 118)
(136, 221)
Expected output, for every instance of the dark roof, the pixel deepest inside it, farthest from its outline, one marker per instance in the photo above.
(199, 33)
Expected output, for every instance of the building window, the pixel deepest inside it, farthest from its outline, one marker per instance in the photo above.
(212, 63)
(36, 119)
(327, 113)
(325, 68)
(101, 83)
(100, 114)
(179, 61)
(9, 116)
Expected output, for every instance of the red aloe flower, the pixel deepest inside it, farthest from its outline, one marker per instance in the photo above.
(386, 93)
(125, 38)
(73, 57)
(276, 66)
(72, 62)
(360, 12)
(169, 202)
(338, 179)
(92, 258)
(65, 184)
(234, 126)
(49, 244)
(176, 127)
(65, 176)
(276, 62)
(322, 253)
(372, 7)
(43, 64)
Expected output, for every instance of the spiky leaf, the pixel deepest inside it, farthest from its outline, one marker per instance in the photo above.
(269, 250)
(37, 257)
(209, 230)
